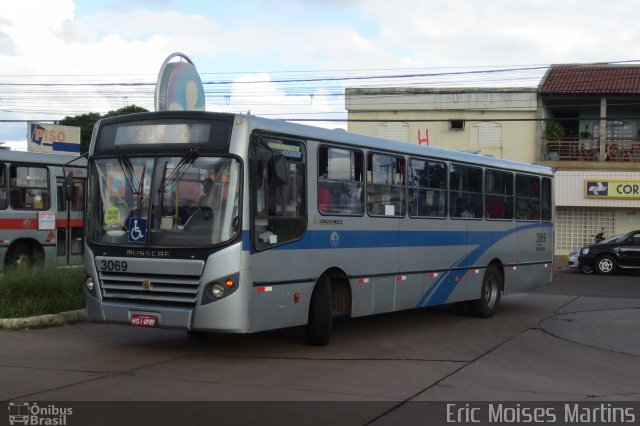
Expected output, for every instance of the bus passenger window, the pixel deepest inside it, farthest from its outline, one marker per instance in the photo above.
(29, 187)
(465, 191)
(4, 199)
(546, 197)
(340, 181)
(527, 197)
(427, 181)
(498, 199)
(385, 189)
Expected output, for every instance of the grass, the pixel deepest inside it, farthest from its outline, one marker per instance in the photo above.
(39, 290)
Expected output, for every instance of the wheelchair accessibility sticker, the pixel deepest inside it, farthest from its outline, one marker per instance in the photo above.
(137, 230)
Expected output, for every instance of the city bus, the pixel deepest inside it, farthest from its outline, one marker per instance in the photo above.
(209, 222)
(38, 223)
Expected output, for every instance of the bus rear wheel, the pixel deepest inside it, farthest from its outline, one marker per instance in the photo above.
(487, 305)
(318, 328)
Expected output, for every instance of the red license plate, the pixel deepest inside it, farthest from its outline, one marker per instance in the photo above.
(144, 320)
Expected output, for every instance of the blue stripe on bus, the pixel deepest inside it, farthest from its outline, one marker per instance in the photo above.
(440, 291)
(380, 239)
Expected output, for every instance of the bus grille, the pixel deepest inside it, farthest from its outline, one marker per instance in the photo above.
(148, 288)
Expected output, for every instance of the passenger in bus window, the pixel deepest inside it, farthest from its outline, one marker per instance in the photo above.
(523, 212)
(462, 209)
(324, 198)
(349, 200)
(3, 198)
(208, 186)
(496, 208)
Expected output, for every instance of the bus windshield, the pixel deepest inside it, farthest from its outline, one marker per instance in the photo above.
(188, 201)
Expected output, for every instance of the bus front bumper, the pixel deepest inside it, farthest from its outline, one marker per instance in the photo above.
(139, 315)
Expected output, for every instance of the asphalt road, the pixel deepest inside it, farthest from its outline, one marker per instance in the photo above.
(577, 339)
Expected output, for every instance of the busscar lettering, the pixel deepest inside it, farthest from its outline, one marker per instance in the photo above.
(331, 222)
(147, 253)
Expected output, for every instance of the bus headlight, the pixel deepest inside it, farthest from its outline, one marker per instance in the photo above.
(217, 290)
(89, 283)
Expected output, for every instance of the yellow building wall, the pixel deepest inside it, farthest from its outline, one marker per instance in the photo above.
(518, 141)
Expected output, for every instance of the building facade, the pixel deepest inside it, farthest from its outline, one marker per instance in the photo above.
(496, 122)
(588, 131)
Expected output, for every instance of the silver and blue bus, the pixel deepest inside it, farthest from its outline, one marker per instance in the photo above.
(209, 222)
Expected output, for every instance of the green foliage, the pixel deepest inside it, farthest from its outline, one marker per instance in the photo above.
(40, 290)
(553, 130)
(86, 122)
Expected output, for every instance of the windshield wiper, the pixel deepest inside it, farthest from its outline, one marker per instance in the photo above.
(180, 169)
(129, 174)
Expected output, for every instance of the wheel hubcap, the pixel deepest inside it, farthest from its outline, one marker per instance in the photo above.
(606, 265)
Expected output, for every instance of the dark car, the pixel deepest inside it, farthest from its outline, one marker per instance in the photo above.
(610, 255)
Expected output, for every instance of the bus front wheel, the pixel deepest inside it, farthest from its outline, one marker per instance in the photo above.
(318, 328)
(487, 305)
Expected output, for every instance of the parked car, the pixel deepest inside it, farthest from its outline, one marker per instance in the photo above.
(572, 260)
(608, 256)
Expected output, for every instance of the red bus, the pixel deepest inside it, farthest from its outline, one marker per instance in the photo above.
(38, 223)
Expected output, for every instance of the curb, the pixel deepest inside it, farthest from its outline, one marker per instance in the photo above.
(70, 317)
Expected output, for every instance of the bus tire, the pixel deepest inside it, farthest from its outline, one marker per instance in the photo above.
(492, 284)
(21, 255)
(318, 328)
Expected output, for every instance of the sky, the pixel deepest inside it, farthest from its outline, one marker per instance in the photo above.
(288, 59)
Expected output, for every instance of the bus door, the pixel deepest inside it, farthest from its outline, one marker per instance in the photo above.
(70, 223)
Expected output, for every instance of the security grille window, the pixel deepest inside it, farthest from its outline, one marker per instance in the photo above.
(4, 199)
(427, 188)
(29, 187)
(385, 185)
(278, 167)
(498, 198)
(465, 191)
(394, 131)
(340, 181)
(577, 227)
(486, 134)
(616, 129)
(527, 197)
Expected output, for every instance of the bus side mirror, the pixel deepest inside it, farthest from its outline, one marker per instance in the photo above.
(68, 187)
(281, 170)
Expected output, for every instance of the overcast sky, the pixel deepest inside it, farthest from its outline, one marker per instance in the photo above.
(253, 53)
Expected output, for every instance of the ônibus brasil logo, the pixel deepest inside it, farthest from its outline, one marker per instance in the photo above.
(31, 414)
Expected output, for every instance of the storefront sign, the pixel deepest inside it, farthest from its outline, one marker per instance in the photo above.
(612, 189)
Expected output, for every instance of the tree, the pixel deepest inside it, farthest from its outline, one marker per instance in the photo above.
(87, 121)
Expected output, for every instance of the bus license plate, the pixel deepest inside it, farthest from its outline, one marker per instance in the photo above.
(144, 320)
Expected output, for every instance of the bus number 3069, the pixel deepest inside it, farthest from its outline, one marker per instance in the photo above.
(113, 265)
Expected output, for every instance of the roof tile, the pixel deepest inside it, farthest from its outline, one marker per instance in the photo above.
(591, 80)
